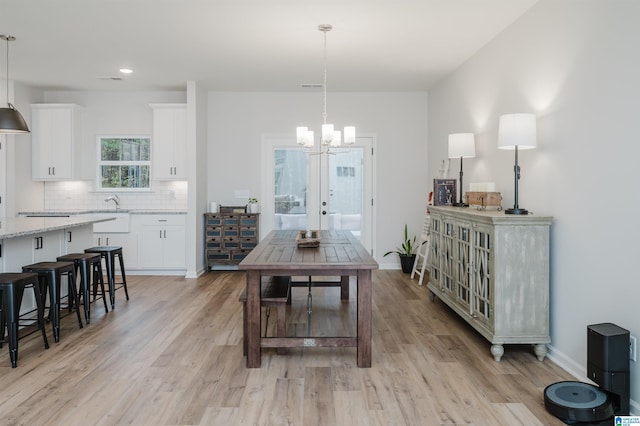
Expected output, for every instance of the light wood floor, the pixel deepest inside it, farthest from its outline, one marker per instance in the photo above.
(172, 355)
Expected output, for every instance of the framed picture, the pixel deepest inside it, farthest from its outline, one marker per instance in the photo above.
(444, 191)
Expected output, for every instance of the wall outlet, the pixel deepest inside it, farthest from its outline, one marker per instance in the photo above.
(633, 348)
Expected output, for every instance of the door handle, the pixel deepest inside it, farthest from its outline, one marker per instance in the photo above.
(324, 212)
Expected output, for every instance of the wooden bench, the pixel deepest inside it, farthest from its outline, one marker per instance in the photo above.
(274, 291)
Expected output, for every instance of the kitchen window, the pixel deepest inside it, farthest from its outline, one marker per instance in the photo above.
(124, 163)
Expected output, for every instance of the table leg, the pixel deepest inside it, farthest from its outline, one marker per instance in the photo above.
(364, 318)
(344, 287)
(253, 319)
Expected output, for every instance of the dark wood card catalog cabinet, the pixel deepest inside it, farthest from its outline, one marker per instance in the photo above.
(229, 237)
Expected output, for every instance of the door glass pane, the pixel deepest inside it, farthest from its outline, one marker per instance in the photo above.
(290, 188)
(346, 189)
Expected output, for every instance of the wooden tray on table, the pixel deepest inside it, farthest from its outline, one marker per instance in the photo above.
(308, 239)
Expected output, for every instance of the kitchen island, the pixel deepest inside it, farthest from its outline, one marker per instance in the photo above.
(27, 240)
(11, 227)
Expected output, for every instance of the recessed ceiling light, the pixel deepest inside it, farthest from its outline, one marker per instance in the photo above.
(125, 71)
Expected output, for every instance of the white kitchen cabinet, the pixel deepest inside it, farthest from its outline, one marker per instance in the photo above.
(127, 240)
(77, 239)
(492, 269)
(169, 159)
(56, 141)
(21, 251)
(18, 252)
(162, 241)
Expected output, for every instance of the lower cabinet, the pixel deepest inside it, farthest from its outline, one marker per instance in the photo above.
(156, 242)
(77, 239)
(161, 241)
(127, 240)
(21, 251)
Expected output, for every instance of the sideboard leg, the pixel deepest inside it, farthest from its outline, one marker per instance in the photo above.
(541, 351)
(497, 351)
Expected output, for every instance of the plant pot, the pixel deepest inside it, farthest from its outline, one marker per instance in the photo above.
(406, 262)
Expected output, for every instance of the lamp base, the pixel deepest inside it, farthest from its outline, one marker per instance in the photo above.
(460, 205)
(516, 211)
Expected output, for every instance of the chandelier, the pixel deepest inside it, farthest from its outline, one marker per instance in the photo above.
(329, 136)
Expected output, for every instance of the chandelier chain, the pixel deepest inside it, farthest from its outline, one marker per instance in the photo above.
(324, 85)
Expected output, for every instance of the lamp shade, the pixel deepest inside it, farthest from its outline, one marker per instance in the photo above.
(462, 145)
(11, 121)
(517, 130)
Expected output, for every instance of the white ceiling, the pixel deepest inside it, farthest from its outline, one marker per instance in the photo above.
(246, 45)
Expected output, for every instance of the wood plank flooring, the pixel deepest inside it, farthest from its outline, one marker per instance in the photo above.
(172, 355)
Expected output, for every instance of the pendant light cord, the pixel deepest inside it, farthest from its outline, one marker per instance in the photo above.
(7, 39)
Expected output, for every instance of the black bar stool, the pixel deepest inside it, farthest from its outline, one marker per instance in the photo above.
(109, 254)
(88, 264)
(51, 274)
(12, 287)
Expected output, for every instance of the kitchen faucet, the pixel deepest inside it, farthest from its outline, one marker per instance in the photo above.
(115, 199)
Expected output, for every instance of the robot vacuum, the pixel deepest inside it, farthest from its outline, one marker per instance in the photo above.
(574, 402)
(578, 403)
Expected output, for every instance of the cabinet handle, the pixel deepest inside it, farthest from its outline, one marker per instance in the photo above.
(54, 170)
(165, 234)
(107, 240)
(69, 240)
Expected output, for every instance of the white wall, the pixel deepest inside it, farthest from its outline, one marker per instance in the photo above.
(576, 65)
(398, 120)
(197, 161)
(22, 192)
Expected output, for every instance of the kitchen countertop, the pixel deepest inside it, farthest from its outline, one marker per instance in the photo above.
(53, 213)
(11, 227)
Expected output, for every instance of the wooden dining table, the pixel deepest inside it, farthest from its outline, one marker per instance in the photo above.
(338, 254)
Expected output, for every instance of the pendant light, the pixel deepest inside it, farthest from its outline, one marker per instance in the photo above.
(11, 121)
(329, 136)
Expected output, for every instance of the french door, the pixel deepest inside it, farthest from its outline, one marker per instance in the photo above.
(308, 190)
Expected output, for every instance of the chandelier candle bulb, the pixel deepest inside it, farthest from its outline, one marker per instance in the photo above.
(349, 135)
(310, 140)
(337, 138)
(301, 134)
(327, 133)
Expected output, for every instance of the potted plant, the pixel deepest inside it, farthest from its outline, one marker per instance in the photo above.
(252, 206)
(406, 252)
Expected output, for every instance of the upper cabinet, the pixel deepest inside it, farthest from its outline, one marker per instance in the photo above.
(56, 138)
(169, 141)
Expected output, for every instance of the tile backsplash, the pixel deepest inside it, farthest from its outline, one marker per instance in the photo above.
(79, 195)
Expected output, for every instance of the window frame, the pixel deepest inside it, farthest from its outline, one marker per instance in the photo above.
(100, 163)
